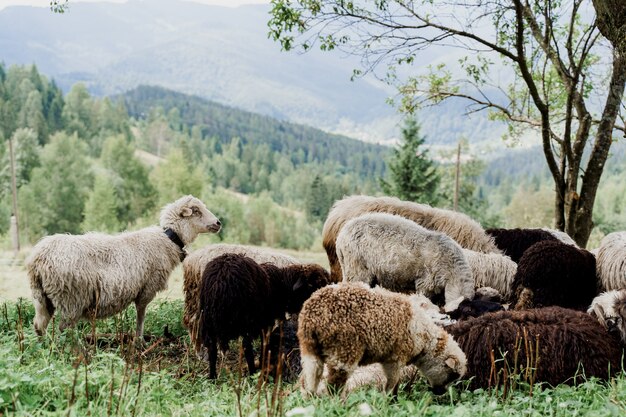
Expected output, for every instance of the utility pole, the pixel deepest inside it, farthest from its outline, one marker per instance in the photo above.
(16, 237)
(457, 177)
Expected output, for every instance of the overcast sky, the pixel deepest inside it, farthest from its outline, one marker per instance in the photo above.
(46, 3)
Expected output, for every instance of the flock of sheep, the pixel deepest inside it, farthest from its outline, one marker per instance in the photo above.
(411, 288)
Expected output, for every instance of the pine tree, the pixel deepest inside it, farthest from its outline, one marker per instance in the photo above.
(316, 201)
(413, 175)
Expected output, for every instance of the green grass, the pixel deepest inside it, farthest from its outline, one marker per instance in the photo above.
(68, 375)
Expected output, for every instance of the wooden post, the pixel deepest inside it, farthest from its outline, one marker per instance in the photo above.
(457, 178)
(16, 237)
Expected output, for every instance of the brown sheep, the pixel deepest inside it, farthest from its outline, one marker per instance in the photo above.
(570, 343)
(347, 325)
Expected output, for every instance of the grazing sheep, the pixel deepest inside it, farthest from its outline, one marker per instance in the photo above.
(400, 255)
(570, 343)
(97, 275)
(492, 270)
(349, 324)
(610, 310)
(460, 227)
(611, 265)
(514, 242)
(194, 265)
(553, 273)
(239, 297)
(560, 235)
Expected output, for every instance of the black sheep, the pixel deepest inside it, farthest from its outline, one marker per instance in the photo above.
(474, 308)
(239, 297)
(570, 343)
(514, 242)
(554, 273)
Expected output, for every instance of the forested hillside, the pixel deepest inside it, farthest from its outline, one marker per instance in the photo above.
(84, 163)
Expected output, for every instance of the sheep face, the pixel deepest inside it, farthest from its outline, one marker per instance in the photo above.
(443, 367)
(188, 216)
(310, 278)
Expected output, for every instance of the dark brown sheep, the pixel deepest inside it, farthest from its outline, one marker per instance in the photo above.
(514, 242)
(554, 273)
(239, 297)
(571, 343)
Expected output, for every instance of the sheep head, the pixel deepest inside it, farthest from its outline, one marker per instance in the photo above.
(443, 365)
(188, 216)
(306, 280)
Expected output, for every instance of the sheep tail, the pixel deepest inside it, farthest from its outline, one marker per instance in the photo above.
(525, 299)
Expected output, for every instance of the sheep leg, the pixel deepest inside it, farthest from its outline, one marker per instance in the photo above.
(392, 373)
(141, 317)
(312, 368)
(42, 318)
(212, 359)
(249, 354)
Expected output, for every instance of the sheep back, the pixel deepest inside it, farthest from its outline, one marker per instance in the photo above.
(397, 254)
(566, 339)
(555, 274)
(611, 265)
(460, 227)
(514, 242)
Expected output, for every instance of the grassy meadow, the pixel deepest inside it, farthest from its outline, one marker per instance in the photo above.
(70, 375)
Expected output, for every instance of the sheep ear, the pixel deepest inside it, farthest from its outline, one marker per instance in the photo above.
(451, 362)
(301, 282)
(185, 212)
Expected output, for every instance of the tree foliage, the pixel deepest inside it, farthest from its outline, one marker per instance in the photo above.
(54, 199)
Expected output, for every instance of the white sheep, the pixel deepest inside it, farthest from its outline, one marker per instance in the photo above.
(492, 270)
(97, 275)
(610, 310)
(400, 255)
(611, 261)
(464, 230)
(193, 267)
(347, 325)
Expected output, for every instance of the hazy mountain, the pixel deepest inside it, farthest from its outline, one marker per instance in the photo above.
(219, 53)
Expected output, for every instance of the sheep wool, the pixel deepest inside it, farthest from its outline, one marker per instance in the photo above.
(611, 265)
(561, 235)
(514, 242)
(570, 343)
(97, 275)
(460, 227)
(492, 270)
(391, 329)
(400, 255)
(553, 273)
(194, 265)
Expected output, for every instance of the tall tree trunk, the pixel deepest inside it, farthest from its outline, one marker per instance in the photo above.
(583, 221)
(611, 21)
